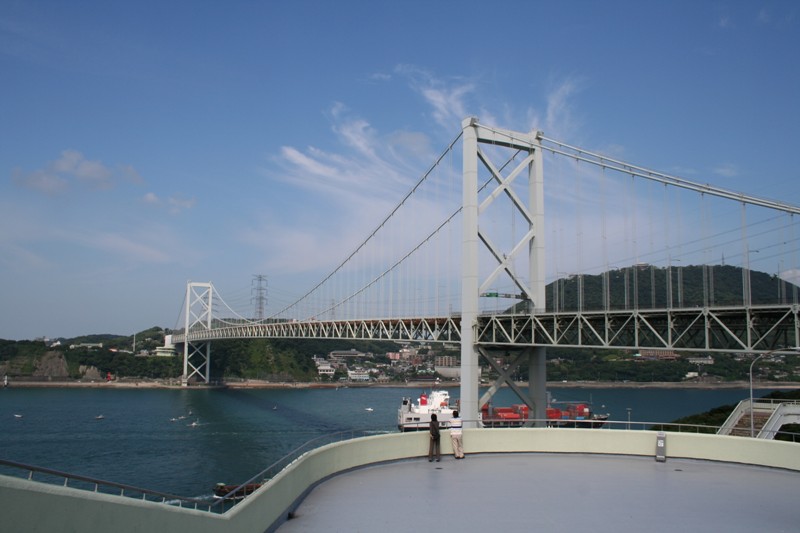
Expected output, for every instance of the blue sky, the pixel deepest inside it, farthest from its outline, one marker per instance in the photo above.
(144, 144)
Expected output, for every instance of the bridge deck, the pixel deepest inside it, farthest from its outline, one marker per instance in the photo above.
(552, 492)
(710, 329)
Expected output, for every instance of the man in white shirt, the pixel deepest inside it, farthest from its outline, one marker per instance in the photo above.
(455, 436)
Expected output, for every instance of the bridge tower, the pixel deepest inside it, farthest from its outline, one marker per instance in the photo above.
(532, 290)
(197, 355)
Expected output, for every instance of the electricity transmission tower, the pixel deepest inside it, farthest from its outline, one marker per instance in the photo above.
(259, 291)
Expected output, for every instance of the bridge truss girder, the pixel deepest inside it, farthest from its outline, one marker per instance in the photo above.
(435, 329)
(723, 329)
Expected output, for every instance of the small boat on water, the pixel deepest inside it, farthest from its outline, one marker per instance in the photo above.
(416, 416)
(221, 490)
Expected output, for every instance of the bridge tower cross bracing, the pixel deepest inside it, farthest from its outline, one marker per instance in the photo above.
(197, 356)
(532, 290)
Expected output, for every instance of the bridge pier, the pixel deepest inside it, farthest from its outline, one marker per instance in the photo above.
(470, 370)
(196, 362)
(537, 383)
(531, 291)
(197, 356)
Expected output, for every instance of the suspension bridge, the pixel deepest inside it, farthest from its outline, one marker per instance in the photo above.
(505, 243)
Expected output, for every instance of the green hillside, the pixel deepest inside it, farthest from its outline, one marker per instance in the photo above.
(646, 286)
(92, 357)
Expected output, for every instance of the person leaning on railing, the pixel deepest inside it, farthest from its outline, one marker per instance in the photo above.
(456, 437)
(434, 447)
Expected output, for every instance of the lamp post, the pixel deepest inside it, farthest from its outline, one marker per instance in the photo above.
(789, 350)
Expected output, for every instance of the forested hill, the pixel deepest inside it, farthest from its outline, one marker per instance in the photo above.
(92, 357)
(691, 286)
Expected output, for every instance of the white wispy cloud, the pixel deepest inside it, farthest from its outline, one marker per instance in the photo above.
(559, 117)
(73, 163)
(369, 165)
(358, 135)
(447, 99)
(130, 174)
(357, 185)
(125, 246)
(21, 230)
(174, 204)
(178, 204)
(31, 241)
(73, 168)
(42, 181)
(726, 170)
(361, 181)
(380, 76)
(18, 258)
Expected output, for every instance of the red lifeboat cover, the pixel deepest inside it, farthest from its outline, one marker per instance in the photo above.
(423, 400)
(553, 413)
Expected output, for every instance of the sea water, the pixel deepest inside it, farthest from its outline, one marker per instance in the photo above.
(183, 441)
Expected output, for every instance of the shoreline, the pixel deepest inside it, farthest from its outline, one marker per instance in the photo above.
(259, 384)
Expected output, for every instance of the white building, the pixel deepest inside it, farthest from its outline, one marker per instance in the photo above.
(448, 366)
(342, 355)
(324, 368)
(358, 375)
(165, 351)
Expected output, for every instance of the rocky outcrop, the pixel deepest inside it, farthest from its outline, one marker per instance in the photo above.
(51, 364)
(90, 372)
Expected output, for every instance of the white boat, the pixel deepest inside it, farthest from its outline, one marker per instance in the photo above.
(416, 416)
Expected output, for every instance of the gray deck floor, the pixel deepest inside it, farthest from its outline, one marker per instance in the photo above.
(553, 493)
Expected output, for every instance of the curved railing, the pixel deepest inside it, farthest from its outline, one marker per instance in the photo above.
(290, 478)
(76, 481)
(222, 504)
(295, 454)
(215, 505)
(627, 424)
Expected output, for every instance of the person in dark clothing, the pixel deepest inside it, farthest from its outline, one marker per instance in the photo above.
(433, 447)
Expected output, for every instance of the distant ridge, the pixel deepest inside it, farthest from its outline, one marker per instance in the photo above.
(645, 286)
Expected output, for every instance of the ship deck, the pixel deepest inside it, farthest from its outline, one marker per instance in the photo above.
(552, 492)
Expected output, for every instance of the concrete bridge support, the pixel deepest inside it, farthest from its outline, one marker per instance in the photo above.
(531, 291)
(197, 355)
